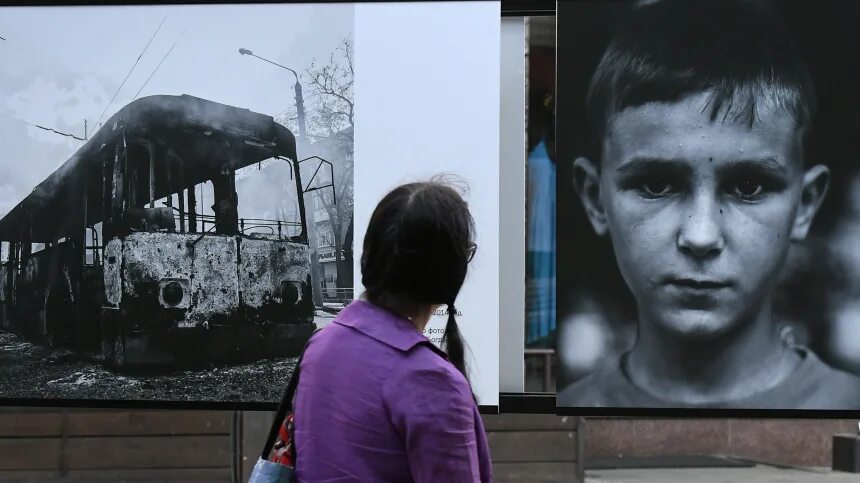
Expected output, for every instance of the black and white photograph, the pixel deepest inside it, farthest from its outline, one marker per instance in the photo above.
(708, 205)
(176, 197)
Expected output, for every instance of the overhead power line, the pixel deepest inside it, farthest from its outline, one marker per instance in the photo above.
(159, 65)
(129, 72)
(42, 127)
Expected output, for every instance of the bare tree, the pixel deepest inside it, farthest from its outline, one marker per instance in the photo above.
(329, 105)
(330, 112)
(340, 213)
(331, 87)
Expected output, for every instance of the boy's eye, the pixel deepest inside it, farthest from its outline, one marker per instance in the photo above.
(747, 189)
(656, 188)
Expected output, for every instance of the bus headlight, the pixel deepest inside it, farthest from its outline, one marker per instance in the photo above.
(174, 293)
(289, 292)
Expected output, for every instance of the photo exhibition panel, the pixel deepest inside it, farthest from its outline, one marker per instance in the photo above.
(708, 216)
(184, 188)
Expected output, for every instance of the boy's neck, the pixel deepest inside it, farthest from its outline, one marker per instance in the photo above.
(738, 365)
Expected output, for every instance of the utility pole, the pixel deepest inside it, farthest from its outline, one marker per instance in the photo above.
(300, 110)
(310, 215)
(300, 102)
(85, 130)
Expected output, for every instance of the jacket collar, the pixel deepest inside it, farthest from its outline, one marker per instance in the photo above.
(384, 326)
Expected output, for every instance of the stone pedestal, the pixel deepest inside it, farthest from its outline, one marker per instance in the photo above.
(846, 453)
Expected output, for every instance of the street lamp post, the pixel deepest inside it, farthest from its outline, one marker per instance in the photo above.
(316, 289)
(300, 110)
(300, 104)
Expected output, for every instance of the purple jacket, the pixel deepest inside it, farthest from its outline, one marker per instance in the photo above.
(378, 402)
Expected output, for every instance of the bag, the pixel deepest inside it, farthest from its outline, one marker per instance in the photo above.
(269, 472)
(276, 463)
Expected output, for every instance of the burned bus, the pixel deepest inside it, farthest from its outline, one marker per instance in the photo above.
(116, 256)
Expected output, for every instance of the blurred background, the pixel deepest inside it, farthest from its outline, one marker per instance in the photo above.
(541, 326)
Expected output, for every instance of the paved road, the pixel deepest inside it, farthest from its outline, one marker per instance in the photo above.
(757, 474)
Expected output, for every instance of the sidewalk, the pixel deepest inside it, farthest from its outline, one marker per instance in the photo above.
(757, 474)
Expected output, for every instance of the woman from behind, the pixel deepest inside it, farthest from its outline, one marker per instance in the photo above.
(376, 400)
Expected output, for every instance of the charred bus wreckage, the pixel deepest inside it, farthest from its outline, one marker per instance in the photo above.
(130, 271)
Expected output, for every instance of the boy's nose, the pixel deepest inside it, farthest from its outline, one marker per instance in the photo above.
(700, 233)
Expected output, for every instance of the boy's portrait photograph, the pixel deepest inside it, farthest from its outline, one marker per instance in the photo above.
(708, 204)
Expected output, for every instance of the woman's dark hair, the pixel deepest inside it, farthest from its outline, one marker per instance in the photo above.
(416, 249)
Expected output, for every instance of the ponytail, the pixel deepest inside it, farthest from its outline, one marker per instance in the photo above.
(453, 342)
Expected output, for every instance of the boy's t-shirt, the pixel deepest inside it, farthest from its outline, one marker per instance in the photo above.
(813, 385)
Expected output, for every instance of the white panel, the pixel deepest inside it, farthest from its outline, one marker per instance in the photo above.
(427, 102)
(512, 206)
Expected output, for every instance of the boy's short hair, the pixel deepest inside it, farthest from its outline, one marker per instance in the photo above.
(668, 49)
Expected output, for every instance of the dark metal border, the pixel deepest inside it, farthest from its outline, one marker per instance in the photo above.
(527, 403)
(509, 7)
(528, 8)
(545, 403)
(689, 413)
(145, 404)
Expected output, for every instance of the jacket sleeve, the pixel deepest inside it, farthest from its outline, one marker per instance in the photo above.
(433, 410)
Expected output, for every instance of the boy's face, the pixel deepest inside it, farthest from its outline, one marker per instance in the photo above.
(701, 214)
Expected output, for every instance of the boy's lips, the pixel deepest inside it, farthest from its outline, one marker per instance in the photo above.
(697, 283)
(699, 293)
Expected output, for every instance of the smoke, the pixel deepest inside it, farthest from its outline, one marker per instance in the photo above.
(268, 192)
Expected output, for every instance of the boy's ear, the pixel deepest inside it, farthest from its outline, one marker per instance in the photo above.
(815, 182)
(586, 178)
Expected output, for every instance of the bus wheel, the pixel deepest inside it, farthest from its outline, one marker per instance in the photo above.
(113, 341)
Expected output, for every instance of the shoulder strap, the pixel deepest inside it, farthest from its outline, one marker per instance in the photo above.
(286, 402)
